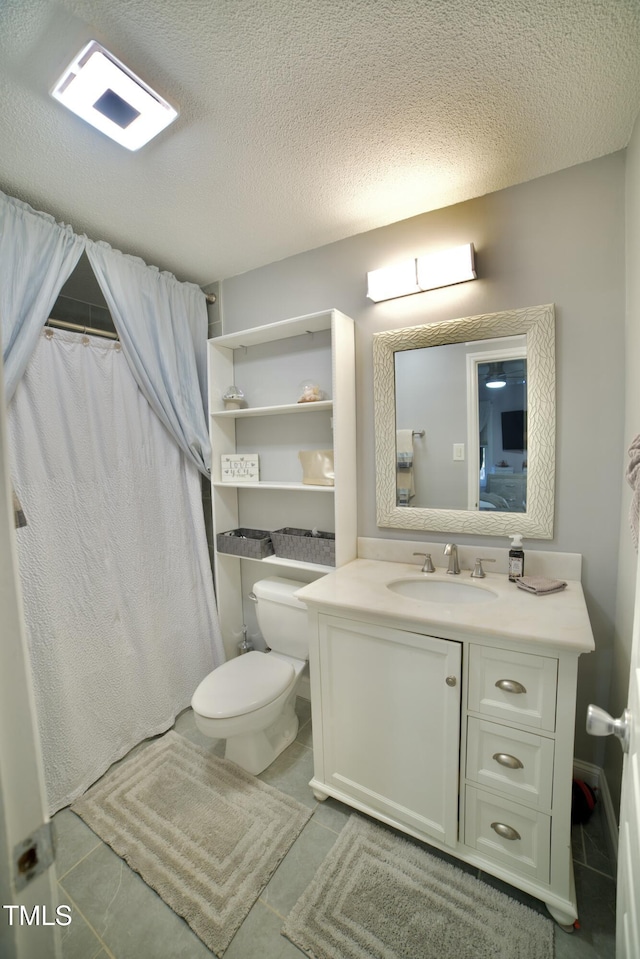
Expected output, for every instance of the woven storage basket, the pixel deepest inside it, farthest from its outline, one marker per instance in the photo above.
(302, 545)
(252, 543)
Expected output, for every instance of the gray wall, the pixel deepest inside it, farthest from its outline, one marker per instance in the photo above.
(559, 239)
(627, 557)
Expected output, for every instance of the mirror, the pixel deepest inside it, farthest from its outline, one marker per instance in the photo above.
(453, 453)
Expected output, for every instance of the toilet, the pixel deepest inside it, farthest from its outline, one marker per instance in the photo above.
(250, 700)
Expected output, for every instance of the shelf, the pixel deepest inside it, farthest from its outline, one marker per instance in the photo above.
(281, 561)
(267, 362)
(311, 323)
(274, 410)
(268, 485)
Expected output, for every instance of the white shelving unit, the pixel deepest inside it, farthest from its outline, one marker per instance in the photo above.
(269, 363)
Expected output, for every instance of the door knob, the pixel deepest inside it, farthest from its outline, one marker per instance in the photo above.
(600, 723)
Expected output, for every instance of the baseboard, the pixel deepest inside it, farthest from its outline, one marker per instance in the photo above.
(594, 776)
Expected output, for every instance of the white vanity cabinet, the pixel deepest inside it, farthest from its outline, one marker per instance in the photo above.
(452, 733)
(388, 722)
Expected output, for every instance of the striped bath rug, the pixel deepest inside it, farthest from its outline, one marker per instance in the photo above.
(380, 896)
(205, 834)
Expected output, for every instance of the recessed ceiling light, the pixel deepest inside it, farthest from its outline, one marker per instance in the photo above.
(102, 91)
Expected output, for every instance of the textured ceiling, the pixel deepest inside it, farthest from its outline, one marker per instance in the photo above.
(306, 121)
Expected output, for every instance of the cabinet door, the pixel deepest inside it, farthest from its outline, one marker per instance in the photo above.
(391, 722)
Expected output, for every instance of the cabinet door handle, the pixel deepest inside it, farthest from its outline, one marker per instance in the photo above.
(512, 762)
(507, 832)
(510, 686)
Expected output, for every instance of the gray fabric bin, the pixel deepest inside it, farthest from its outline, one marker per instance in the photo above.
(252, 543)
(302, 545)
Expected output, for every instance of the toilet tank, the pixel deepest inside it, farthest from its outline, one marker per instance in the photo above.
(281, 617)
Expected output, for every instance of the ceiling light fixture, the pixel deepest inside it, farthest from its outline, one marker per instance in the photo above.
(496, 378)
(101, 90)
(444, 268)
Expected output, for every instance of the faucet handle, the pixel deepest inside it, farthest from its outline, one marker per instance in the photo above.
(478, 572)
(427, 566)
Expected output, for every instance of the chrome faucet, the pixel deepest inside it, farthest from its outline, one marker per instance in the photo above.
(451, 550)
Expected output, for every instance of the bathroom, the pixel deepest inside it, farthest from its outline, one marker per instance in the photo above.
(568, 238)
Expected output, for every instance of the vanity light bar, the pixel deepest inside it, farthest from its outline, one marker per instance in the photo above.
(101, 90)
(392, 281)
(445, 268)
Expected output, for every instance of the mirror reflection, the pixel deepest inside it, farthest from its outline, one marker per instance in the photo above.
(461, 426)
(502, 436)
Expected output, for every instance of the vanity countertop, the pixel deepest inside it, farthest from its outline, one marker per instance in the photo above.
(557, 619)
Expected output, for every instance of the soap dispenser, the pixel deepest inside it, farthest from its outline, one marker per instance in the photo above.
(516, 558)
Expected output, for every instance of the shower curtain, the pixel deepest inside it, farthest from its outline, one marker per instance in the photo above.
(117, 586)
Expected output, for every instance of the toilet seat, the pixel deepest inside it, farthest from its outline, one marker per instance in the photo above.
(242, 685)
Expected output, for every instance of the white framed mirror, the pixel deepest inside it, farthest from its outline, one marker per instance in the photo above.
(454, 454)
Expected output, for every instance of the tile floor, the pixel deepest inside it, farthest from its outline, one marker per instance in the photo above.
(117, 916)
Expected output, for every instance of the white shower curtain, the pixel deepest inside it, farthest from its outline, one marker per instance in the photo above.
(117, 587)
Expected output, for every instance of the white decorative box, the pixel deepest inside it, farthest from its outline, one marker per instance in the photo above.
(239, 468)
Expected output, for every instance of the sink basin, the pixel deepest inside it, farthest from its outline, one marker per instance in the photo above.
(442, 591)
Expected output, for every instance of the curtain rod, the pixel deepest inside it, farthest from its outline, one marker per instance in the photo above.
(210, 298)
(78, 328)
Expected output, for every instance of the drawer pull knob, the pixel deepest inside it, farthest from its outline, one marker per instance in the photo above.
(507, 832)
(510, 686)
(512, 762)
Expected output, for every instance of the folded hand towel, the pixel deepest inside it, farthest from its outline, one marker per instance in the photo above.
(540, 585)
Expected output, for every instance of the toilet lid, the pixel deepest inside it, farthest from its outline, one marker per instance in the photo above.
(242, 685)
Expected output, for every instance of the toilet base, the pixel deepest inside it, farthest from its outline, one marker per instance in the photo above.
(255, 751)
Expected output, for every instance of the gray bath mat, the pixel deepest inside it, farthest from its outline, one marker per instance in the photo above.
(206, 835)
(380, 896)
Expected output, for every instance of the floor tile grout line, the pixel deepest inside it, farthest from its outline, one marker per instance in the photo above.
(324, 825)
(271, 909)
(101, 941)
(599, 872)
(86, 856)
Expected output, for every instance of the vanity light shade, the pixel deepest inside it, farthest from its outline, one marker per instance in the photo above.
(101, 90)
(392, 281)
(446, 267)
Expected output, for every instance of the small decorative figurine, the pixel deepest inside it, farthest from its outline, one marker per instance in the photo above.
(233, 399)
(311, 392)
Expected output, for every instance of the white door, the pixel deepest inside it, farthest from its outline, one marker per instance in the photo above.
(627, 728)
(628, 901)
(27, 877)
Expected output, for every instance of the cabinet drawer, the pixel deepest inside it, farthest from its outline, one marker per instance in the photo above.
(517, 763)
(514, 687)
(506, 832)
